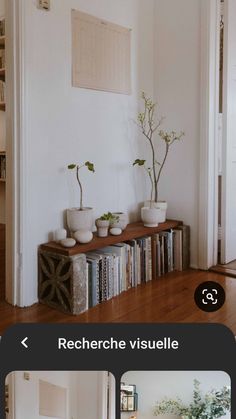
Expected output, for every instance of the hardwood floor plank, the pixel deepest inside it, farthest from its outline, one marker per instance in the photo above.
(225, 270)
(166, 300)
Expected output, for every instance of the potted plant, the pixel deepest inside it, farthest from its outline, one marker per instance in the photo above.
(104, 222)
(213, 405)
(121, 220)
(80, 218)
(169, 409)
(150, 126)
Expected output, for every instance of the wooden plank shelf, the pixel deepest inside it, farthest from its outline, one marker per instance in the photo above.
(133, 231)
(2, 180)
(2, 106)
(63, 280)
(2, 72)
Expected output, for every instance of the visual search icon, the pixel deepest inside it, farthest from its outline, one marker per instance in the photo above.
(209, 296)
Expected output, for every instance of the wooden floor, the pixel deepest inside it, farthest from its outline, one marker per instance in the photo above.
(2, 262)
(169, 299)
(229, 269)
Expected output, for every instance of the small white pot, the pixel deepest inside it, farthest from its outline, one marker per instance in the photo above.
(102, 227)
(80, 219)
(122, 222)
(150, 216)
(162, 205)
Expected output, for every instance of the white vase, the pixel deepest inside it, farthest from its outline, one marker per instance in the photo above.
(150, 216)
(121, 222)
(162, 205)
(60, 234)
(102, 227)
(80, 219)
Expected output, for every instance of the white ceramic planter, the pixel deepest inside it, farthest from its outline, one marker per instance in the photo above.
(102, 227)
(150, 216)
(80, 219)
(122, 222)
(162, 205)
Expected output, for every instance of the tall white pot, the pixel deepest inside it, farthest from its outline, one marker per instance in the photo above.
(150, 216)
(162, 205)
(80, 219)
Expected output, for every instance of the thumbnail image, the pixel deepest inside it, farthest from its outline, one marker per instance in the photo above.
(60, 395)
(175, 395)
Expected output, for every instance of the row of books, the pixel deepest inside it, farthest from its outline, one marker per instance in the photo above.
(116, 268)
(2, 91)
(2, 59)
(2, 167)
(2, 27)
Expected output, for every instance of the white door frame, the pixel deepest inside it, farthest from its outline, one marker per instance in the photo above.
(208, 169)
(15, 190)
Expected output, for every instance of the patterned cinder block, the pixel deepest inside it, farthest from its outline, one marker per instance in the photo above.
(62, 281)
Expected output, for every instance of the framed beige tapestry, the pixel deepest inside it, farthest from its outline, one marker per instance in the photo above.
(52, 400)
(101, 54)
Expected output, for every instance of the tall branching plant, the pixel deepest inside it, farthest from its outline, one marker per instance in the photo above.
(77, 168)
(211, 405)
(150, 124)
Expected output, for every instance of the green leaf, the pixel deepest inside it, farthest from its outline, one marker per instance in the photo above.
(90, 166)
(139, 162)
(71, 166)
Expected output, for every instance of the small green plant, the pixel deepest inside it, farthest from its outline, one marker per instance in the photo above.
(77, 167)
(213, 405)
(109, 217)
(149, 125)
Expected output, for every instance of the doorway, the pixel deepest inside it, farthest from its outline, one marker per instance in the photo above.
(217, 177)
(226, 246)
(2, 150)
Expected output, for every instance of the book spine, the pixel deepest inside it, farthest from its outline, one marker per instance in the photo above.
(100, 280)
(149, 258)
(186, 246)
(154, 257)
(110, 276)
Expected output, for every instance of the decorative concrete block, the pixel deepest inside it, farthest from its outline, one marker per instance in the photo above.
(62, 281)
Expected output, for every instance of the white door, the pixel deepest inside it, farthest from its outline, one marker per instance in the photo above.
(228, 250)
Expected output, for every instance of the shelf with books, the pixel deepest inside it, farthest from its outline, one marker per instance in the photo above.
(76, 279)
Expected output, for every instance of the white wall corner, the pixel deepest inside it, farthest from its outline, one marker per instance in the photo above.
(208, 170)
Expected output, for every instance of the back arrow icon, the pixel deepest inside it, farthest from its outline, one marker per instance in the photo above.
(23, 342)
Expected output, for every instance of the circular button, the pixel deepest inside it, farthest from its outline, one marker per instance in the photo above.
(209, 296)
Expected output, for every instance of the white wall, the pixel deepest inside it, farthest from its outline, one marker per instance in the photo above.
(2, 139)
(177, 91)
(66, 125)
(153, 386)
(80, 386)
